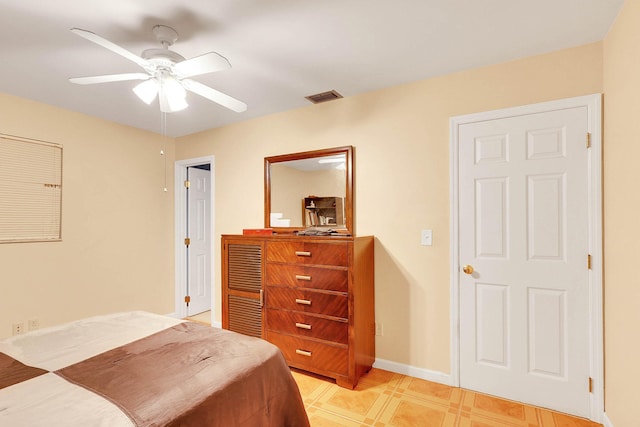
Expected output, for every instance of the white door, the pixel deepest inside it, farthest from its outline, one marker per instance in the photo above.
(524, 229)
(199, 233)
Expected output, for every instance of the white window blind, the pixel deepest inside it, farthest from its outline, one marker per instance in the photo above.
(30, 190)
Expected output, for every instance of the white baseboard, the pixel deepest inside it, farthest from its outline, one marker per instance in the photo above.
(174, 315)
(215, 324)
(434, 376)
(412, 371)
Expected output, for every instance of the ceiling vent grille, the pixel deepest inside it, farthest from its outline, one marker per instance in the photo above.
(323, 97)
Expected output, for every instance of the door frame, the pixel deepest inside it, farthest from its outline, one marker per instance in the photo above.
(180, 201)
(593, 103)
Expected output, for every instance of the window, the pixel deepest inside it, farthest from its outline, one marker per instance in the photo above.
(30, 190)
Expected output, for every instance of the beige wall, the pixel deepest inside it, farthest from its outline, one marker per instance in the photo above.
(288, 203)
(621, 217)
(401, 139)
(117, 223)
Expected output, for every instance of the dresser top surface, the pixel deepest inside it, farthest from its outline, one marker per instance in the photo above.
(295, 237)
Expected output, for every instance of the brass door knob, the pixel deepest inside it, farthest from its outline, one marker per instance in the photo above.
(467, 269)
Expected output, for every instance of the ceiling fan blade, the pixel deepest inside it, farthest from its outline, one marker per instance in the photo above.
(92, 37)
(109, 78)
(214, 95)
(203, 64)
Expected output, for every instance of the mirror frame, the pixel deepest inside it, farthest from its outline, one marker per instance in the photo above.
(348, 199)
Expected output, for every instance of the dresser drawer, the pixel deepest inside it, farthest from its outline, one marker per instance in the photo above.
(308, 301)
(295, 323)
(313, 355)
(308, 253)
(329, 279)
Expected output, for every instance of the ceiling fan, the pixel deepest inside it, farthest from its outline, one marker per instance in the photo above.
(167, 74)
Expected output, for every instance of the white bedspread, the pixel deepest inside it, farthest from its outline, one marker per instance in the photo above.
(56, 400)
(60, 346)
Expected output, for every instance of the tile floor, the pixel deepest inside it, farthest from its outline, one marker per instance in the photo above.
(387, 399)
(204, 318)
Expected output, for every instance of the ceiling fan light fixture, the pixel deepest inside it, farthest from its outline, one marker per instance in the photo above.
(147, 91)
(172, 94)
(177, 104)
(332, 160)
(170, 103)
(173, 88)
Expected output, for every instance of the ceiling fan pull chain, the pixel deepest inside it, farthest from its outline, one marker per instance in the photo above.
(163, 144)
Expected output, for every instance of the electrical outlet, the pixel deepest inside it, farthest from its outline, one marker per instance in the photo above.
(34, 324)
(379, 329)
(18, 328)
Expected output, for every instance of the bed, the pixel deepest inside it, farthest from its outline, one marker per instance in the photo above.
(141, 369)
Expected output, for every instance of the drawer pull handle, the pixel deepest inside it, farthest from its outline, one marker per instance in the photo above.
(303, 253)
(301, 277)
(303, 326)
(303, 353)
(303, 301)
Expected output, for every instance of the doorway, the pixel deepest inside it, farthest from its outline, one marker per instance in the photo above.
(526, 275)
(194, 231)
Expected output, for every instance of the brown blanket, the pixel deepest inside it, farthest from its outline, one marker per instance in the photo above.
(194, 375)
(13, 372)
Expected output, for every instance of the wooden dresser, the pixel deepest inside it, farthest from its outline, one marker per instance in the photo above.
(313, 297)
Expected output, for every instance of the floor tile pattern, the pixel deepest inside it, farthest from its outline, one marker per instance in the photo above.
(204, 318)
(387, 399)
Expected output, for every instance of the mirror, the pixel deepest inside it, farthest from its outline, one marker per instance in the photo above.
(309, 189)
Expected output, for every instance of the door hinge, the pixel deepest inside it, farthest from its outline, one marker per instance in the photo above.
(590, 385)
(588, 139)
(187, 300)
(187, 183)
(589, 261)
(187, 241)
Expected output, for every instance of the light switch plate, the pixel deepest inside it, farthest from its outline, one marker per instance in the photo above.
(426, 238)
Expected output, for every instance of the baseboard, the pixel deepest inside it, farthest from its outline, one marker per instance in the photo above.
(435, 376)
(215, 324)
(412, 371)
(174, 315)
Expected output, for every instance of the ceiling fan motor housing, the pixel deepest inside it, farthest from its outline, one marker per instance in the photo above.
(162, 57)
(165, 35)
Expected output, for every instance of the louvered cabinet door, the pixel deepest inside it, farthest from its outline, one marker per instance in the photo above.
(242, 277)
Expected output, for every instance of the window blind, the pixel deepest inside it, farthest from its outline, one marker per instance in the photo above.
(30, 190)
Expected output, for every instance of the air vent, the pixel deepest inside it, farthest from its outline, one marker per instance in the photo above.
(324, 97)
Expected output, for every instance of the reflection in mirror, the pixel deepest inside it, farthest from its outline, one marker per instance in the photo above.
(311, 189)
(320, 181)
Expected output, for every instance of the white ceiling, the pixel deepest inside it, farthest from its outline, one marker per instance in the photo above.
(280, 50)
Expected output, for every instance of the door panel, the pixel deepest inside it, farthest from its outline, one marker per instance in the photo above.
(546, 217)
(199, 231)
(523, 226)
(492, 327)
(491, 216)
(547, 333)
